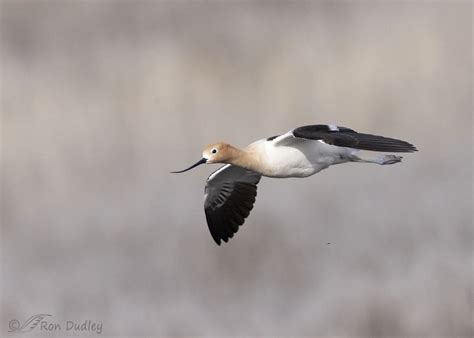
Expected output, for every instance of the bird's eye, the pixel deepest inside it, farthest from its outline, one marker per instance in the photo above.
(214, 151)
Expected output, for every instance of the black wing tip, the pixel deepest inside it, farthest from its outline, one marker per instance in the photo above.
(378, 143)
(409, 148)
(223, 228)
(413, 148)
(218, 239)
(405, 147)
(219, 231)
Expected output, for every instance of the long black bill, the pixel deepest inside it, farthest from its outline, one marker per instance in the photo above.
(201, 161)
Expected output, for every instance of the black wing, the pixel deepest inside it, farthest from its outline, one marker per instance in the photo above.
(229, 196)
(345, 137)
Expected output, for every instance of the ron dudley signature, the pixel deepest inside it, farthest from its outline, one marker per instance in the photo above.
(45, 323)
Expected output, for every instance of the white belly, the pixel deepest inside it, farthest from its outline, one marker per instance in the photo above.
(301, 159)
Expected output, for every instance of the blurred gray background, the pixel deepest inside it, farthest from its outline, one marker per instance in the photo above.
(101, 99)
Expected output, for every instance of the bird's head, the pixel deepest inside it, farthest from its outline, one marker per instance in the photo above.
(214, 153)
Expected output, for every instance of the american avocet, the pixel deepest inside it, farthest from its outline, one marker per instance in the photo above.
(231, 190)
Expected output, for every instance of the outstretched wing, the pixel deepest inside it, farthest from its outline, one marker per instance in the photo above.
(229, 196)
(345, 137)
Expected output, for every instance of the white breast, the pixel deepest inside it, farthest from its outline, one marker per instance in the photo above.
(301, 158)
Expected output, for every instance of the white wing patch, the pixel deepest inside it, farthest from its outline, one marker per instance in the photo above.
(284, 139)
(211, 176)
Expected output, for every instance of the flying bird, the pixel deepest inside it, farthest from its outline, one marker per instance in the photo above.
(231, 190)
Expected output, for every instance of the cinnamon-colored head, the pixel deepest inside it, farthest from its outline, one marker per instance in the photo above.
(215, 153)
(218, 152)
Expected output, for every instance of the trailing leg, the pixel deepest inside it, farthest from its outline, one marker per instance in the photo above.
(382, 159)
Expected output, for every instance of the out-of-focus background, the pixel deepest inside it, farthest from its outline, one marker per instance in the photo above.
(101, 100)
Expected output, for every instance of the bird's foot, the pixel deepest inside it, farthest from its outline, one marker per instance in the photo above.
(390, 159)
